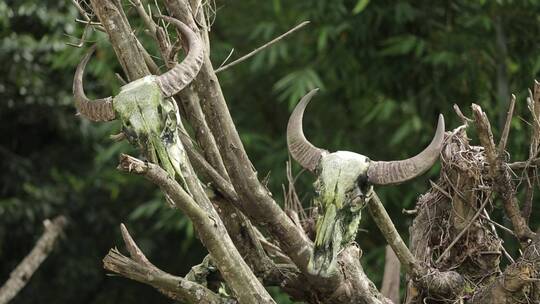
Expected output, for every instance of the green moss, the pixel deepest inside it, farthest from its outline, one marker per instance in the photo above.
(340, 216)
(145, 113)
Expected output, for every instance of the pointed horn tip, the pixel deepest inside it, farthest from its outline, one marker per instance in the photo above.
(440, 123)
(314, 91)
(84, 61)
(89, 52)
(440, 127)
(307, 98)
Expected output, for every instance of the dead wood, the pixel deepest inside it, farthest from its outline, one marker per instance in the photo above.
(502, 179)
(390, 283)
(138, 268)
(20, 276)
(447, 233)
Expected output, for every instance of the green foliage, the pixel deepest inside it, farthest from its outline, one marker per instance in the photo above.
(385, 69)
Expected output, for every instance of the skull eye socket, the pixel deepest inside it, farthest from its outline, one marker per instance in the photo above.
(317, 187)
(362, 182)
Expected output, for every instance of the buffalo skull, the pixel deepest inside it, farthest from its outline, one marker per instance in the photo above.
(149, 117)
(344, 184)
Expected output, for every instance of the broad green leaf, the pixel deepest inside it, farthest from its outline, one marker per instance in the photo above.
(360, 6)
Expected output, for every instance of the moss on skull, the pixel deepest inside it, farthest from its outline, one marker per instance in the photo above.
(340, 201)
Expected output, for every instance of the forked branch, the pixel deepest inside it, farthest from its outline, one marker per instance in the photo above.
(138, 268)
(214, 236)
(499, 172)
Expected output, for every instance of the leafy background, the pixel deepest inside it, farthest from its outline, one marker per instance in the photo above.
(385, 69)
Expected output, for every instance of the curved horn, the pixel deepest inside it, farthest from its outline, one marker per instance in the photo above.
(306, 154)
(95, 110)
(182, 73)
(395, 172)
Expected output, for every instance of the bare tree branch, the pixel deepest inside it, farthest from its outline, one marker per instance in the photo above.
(205, 169)
(20, 276)
(448, 283)
(262, 47)
(533, 103)
(462, 232)
(139, 268)
(524, 164)
(507, 124)
(191, 106)
(190, 100)
(503, 181)
(389, 231)
(246, 287)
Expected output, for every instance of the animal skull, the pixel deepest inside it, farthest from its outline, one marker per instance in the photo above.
(344, 184)
(170, 83)
(149, 117)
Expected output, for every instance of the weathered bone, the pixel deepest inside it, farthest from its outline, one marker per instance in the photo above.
(95, 110)
(306, 154)
(379, 172)
(395, 172)
(170, 82)
(183, 73)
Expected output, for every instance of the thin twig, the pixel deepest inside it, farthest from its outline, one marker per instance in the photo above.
(88, 21)
(226, 59)
(148, 21)
(464, 119)
(83, 37)
(503, 228)
(81, 10)
(485, 215)
(533, 103)
(507, 123)
(255, 51)
(524, 164)
(120, 79)
(458, 237)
